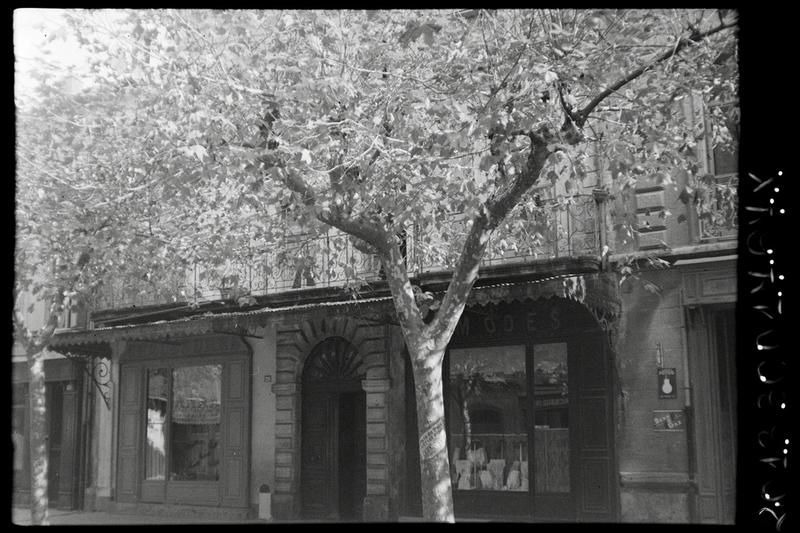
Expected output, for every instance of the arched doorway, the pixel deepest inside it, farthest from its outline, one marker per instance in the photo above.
(333, 459)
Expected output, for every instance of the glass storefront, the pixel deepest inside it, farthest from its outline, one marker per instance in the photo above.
(551, 418)
(156, 447)
(190, 422)
(528, 404)
(184, 423)
(488, 436)
(195, 424)
(488, 403)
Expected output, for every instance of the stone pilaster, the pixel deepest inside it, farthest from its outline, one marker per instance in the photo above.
(376, 502)
(285, 497)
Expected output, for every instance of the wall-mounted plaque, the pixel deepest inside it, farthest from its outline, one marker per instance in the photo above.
(667, 383)
(668, 420)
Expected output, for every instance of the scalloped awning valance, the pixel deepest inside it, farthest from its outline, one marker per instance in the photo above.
(597, 291)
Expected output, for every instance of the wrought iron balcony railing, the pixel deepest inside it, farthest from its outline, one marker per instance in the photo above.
(567, 226)
(718, 210)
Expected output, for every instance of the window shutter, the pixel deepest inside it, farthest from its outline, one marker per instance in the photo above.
(236, 435)
(130, 421)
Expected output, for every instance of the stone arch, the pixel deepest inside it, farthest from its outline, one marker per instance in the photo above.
(333, 358)
(295, 343)
(313, 332)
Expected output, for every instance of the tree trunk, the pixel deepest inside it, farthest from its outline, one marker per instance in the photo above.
(37, 438)
(437, 491)
(467, 424)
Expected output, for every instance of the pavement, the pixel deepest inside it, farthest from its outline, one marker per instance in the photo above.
(22, 516)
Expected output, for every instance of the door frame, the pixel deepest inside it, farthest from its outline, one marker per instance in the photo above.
(708, 505)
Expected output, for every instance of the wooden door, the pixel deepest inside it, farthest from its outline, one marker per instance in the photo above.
(596, 466)
(351, 444)
(54, 394)
(70, 449)
(711, 335)
(725, 347)
(318, 462)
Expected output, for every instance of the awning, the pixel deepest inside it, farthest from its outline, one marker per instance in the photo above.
(197, 325)
(597, 291)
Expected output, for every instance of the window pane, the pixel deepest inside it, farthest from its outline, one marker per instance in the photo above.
(725, 161)
(195, 425)
(488, 437)
(551, 418)
(19, 438)
(156, 453)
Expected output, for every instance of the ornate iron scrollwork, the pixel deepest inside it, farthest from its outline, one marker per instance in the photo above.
(99, 371)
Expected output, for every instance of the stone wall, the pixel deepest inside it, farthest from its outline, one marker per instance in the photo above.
(653, 464)
(657, 483)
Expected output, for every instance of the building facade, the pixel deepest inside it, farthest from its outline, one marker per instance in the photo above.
(67, 419)
(569, 395)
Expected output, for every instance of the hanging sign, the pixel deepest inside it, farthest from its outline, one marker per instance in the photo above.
(667, 386)
(668, 420)
(189, 412)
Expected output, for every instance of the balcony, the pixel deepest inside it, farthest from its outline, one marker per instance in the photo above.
(565, 226)
(561, 227)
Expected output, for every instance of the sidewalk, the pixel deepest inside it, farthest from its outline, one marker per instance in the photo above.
(22, 516)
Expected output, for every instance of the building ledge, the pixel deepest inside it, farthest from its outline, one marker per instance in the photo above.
(530, 270)
(720, 250)
(655, 481)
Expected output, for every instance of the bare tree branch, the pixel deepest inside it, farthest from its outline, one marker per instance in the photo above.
(695, 37)
(361, 228)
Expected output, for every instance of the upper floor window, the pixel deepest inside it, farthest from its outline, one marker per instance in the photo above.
(717, 198)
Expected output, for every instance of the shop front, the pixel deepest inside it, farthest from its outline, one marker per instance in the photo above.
(530, 423)
(64, 423)
(184, 412)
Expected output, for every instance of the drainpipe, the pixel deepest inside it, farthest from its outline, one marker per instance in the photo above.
(688, 410)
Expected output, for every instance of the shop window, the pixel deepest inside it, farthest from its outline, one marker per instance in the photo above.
(19, 434)
(551, 418)
(195, 425)
(183, 423)
(718, 186)
(486, 417)
(156, 450)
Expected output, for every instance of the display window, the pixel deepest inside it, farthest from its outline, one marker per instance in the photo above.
(183, 419)
(529, 406)
(488, 436)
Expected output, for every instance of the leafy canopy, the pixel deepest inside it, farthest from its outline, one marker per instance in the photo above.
(200, 136)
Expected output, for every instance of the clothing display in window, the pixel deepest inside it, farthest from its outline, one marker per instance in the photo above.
(513, 480)
(464, 469)
(497, 467)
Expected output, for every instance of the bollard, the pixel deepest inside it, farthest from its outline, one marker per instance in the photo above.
(264, 503)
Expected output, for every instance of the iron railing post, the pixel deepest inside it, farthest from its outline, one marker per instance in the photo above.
(601, 197)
